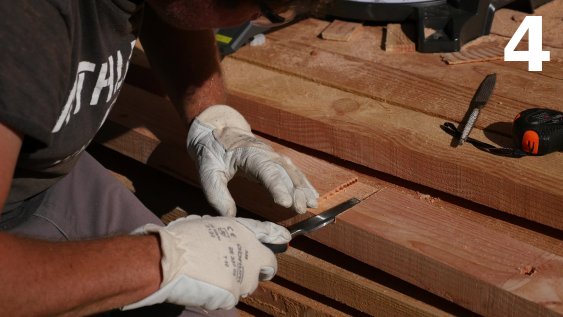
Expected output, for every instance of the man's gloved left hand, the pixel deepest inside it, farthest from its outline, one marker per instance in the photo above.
(221, 143)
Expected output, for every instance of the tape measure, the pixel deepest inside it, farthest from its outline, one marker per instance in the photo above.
(536, 132)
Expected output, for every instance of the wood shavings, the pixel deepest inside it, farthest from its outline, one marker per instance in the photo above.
(427, 198)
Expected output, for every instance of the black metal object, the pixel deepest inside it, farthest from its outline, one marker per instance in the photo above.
(441, 25)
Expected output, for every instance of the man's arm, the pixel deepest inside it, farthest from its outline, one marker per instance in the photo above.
(78, 278)
(219, 138)
(186, 62)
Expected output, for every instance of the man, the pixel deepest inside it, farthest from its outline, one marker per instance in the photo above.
(66, 246)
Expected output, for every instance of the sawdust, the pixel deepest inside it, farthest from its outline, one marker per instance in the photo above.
(427, 198)
(339, 189)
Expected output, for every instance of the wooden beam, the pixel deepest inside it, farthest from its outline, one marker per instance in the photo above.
(276, 300)
(436, 249)
(402, 142)
(341, 30)
(421, 63)
(506, 22)
(475, 267)
(385, 83)
(457, 259)
(366, 62)
(397, 38)
(345, 285)
(271, 297)
(349, 288)
(481, 50)
(156, 137)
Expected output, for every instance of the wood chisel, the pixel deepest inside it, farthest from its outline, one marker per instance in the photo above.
(314, 223)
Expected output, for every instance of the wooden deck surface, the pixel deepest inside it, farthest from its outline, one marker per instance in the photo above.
(479, 231)
(383, 110)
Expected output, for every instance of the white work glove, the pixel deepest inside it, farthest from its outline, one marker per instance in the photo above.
(221, 143)
(210, 262)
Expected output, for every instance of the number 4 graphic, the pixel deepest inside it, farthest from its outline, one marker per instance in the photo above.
(534, 55)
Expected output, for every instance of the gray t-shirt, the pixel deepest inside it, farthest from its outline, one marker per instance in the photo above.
(63, 63)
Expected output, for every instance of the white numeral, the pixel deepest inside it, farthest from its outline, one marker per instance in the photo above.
(534, 55)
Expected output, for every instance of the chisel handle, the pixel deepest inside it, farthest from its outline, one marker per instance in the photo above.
(277, 248)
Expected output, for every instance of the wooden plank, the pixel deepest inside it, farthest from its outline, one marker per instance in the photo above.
(457, 259)
(348, 287)
(512, 77)
(384, 83)
(343, 285)
(270, 298)
(339, 30)
(401, 142)
(136, 129)
(397, 40)
(340, 284)
(276, 300)
(513, 230)
(435, 249)
(481, 50)
(243, 313)
(506, 22)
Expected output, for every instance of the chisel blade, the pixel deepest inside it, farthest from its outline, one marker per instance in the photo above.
(322, 219)
(314, 223)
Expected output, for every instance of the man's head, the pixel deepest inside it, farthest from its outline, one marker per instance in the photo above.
(209, 14)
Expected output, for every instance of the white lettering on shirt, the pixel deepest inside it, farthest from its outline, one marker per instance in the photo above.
(75, 95)
(110, 75)
(103, 82)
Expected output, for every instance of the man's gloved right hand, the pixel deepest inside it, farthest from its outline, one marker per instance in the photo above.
(210, 262)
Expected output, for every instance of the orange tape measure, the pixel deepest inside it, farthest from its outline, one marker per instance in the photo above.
(538, 131)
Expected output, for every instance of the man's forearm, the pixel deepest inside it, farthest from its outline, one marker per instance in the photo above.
(76, 278)
(186, 62)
